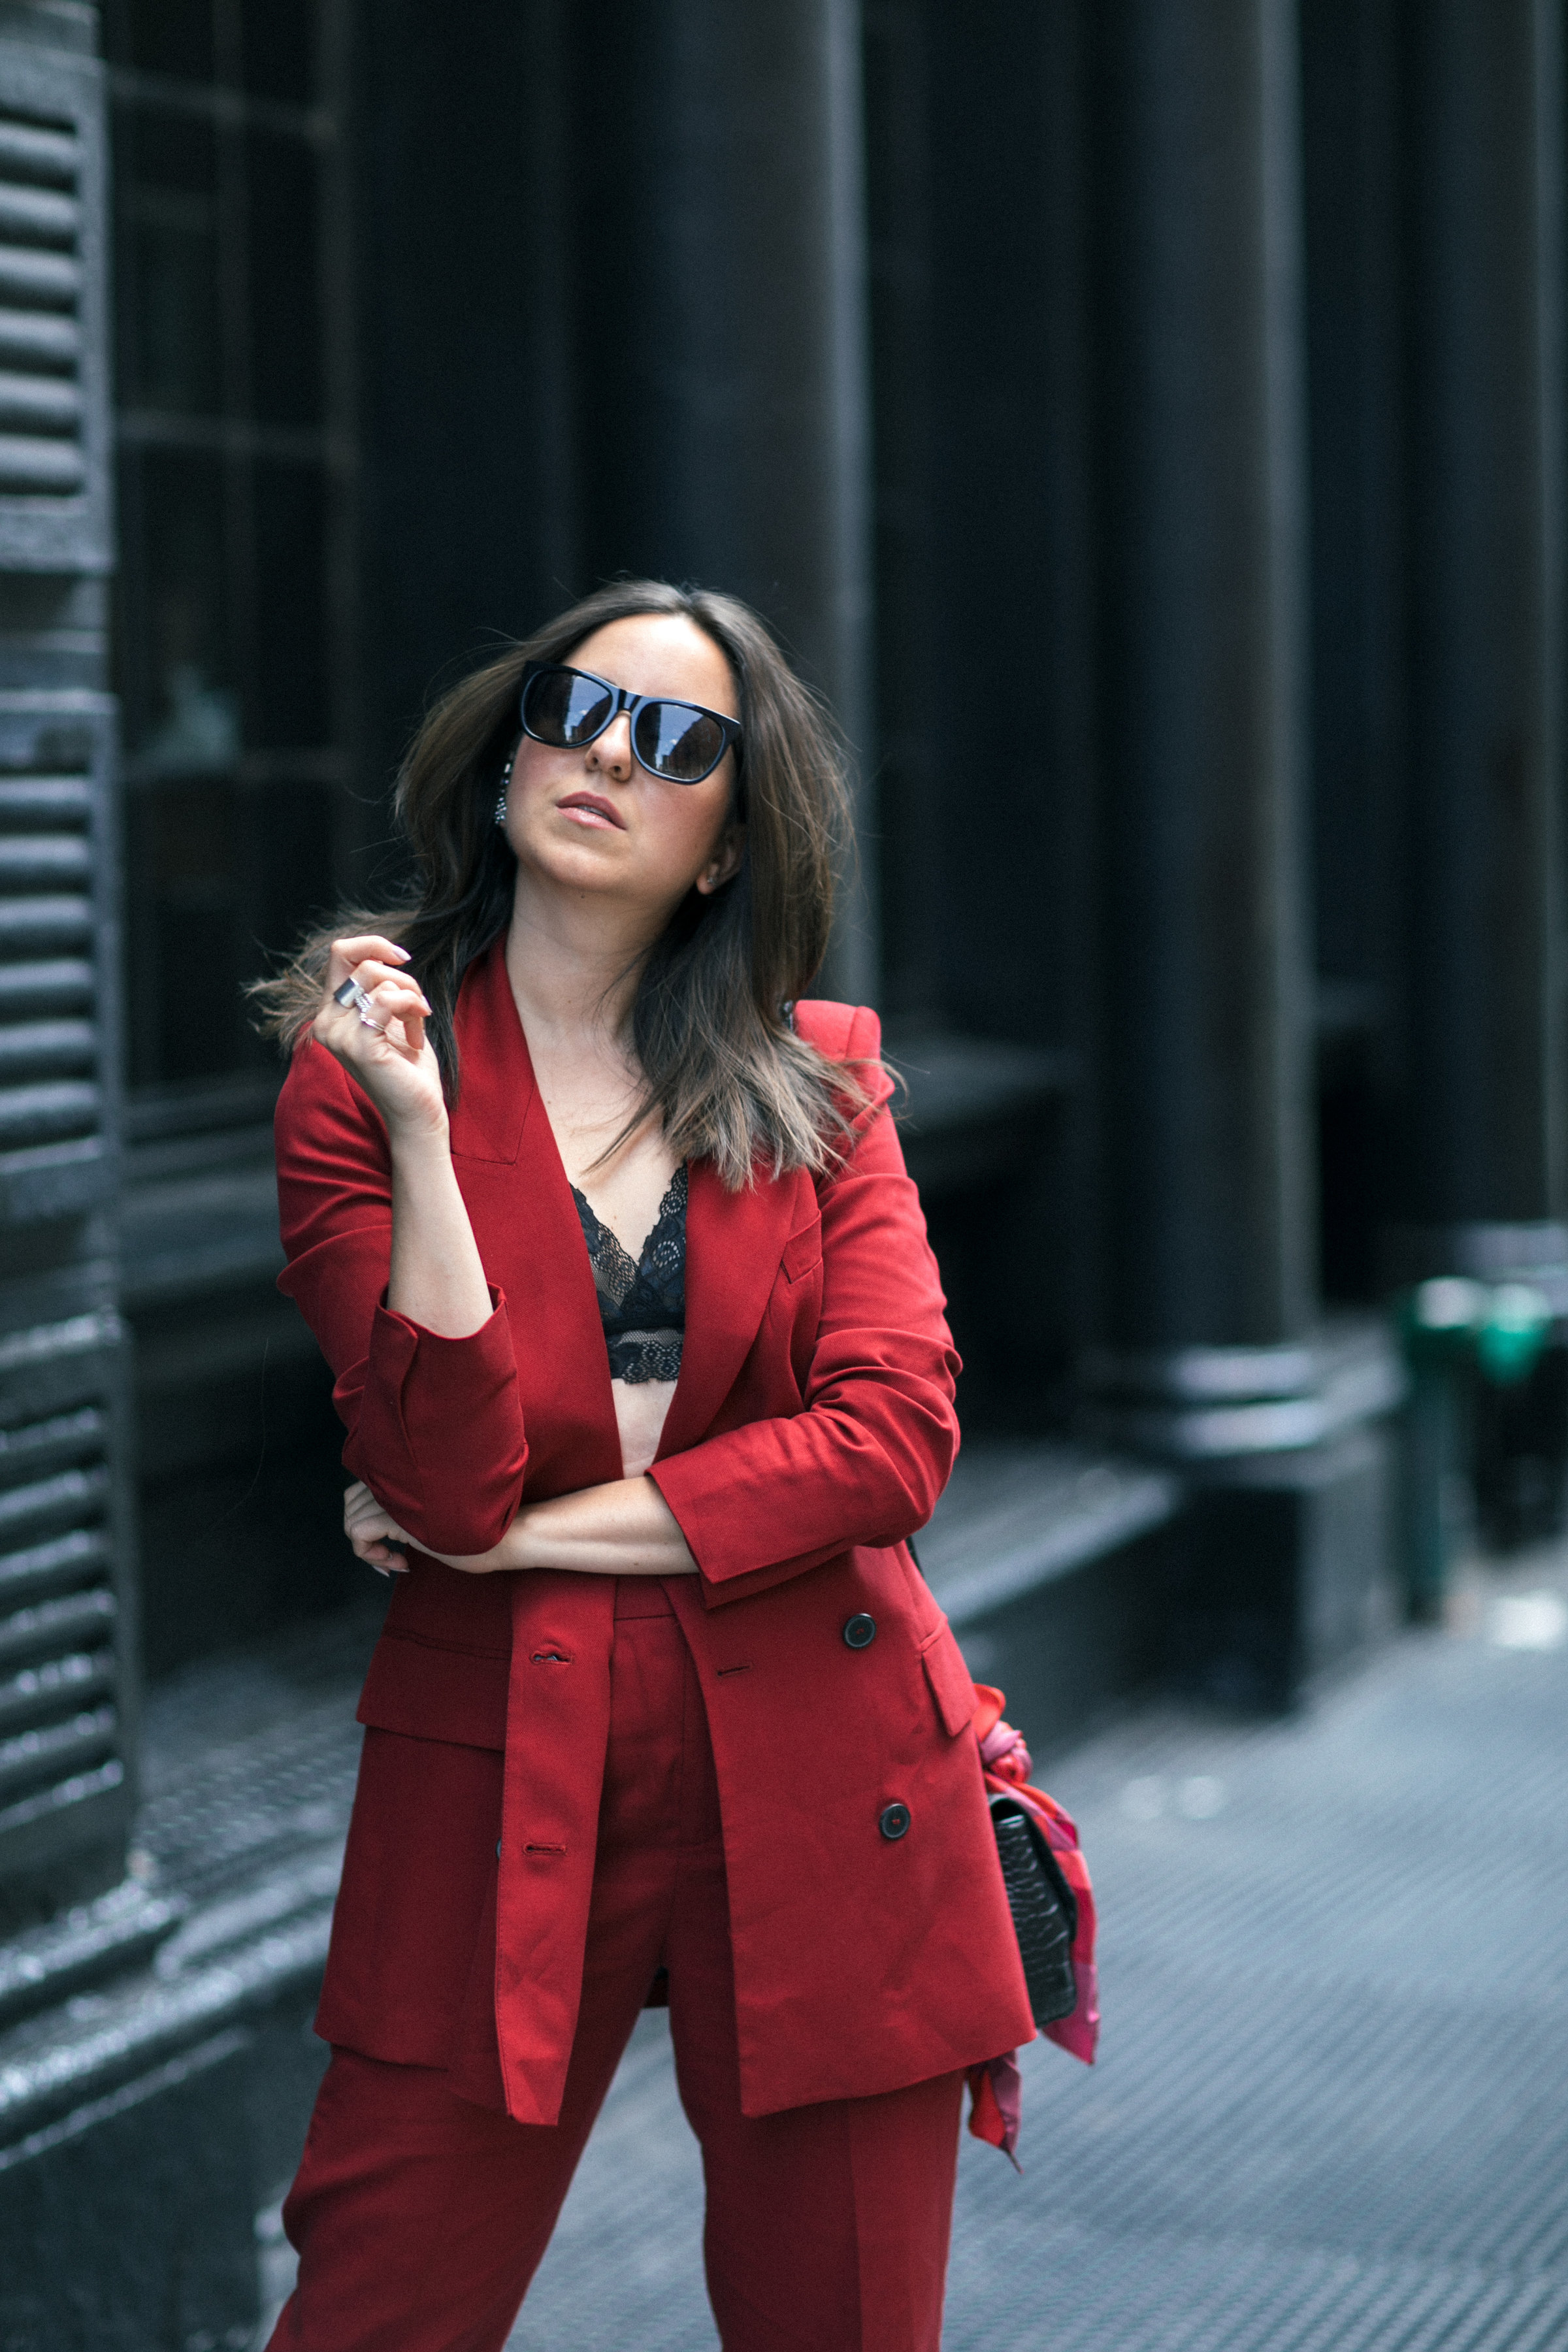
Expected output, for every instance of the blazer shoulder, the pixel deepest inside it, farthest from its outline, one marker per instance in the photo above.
(840, 1031)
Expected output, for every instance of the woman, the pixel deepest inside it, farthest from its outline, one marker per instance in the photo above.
(640, 1348)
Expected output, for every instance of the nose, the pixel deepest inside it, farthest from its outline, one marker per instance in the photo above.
(612, 751)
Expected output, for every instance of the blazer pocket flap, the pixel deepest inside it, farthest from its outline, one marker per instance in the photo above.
(951, 1683)
(430, 1692)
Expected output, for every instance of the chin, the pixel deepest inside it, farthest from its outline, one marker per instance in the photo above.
(576, 860)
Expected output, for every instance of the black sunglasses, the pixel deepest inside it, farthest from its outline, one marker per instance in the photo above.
(680, 742)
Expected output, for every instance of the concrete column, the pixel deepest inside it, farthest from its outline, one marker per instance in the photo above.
(722, 331)
(1211, 1358)
(1480, 1180)
(1203, 703)
(1483, 1178)
(1351, 174)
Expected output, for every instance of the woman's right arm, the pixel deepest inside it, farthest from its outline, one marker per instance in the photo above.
(384, 1264)
(436, 1276)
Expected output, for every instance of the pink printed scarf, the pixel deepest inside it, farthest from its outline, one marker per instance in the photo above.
(995, 2088)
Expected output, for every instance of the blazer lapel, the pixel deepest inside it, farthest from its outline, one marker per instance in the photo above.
(733, 1244)
(496, 1085)
(531, 1241)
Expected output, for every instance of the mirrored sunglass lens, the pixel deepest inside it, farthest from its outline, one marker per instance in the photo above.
(677, 741)
(565, 710)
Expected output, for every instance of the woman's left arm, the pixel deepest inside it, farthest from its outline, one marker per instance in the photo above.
(623, 1528)
(866, 1460)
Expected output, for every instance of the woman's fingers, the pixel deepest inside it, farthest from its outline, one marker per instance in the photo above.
(374, 1534)
(377, 1539)
(345, 956)
(383, 998)
(373, 1021)
(371, 1524)
(371, 974)
(358, 1501)
(398, 1012)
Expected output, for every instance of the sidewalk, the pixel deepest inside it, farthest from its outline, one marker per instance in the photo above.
(1331, 2109)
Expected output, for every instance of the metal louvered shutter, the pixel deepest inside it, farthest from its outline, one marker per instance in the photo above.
(58, 954)
(67, 1659)
(54, 455)
(64, 1525)
(63, 1762)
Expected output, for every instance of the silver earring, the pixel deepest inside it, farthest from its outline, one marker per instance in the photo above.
(505, 788)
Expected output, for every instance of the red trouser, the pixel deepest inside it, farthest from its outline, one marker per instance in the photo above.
(420, 2218)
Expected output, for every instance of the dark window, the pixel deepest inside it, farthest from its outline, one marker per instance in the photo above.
(290, 703)
(230, 470)
(167, 274)
(285, 335)
(219, 870)
(162, 37)
(178, 670)
(277, 43)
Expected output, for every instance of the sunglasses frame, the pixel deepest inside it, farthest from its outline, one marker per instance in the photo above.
(621, 698)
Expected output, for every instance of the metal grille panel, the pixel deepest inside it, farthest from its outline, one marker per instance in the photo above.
(61, 1743)
(53, 948)
(40, 288)
(53, 500)
(64, 1727)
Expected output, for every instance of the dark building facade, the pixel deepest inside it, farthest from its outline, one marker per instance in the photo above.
(1142, 421)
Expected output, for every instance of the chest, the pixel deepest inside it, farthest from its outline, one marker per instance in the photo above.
(586, 1101)
(749, 1316)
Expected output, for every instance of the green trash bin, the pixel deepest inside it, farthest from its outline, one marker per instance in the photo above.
(1453, 1330)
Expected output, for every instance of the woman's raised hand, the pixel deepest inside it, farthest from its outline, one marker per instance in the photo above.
(379, 1035)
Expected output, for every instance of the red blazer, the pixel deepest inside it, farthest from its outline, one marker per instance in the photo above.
(811, 1430)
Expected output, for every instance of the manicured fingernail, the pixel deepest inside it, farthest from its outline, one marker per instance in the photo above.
(401, 953)
(381, 1572)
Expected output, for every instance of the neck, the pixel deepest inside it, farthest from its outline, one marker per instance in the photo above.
(573, 961)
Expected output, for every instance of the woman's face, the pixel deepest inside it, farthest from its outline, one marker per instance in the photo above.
(594, 822)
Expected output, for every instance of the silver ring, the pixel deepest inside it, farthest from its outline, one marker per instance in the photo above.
(350, 992)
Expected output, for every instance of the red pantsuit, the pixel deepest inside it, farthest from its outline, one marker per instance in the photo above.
(774, 1791)
(420, 2217)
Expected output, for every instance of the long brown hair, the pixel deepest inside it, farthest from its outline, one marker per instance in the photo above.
(725, 1073)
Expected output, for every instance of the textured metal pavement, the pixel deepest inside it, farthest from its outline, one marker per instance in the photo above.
(1330, 2113)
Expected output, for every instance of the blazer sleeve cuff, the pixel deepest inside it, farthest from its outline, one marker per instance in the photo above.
(440, 1440)
(737, 1547)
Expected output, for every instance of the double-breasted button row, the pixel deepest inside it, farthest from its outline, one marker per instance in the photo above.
(861, 1631)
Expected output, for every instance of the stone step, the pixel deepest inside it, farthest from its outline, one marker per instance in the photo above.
(43, 1967)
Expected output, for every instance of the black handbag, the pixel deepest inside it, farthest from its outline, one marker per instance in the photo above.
(1043, 1908)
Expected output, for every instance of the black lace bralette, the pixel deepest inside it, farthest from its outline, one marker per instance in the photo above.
(642, 1307)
